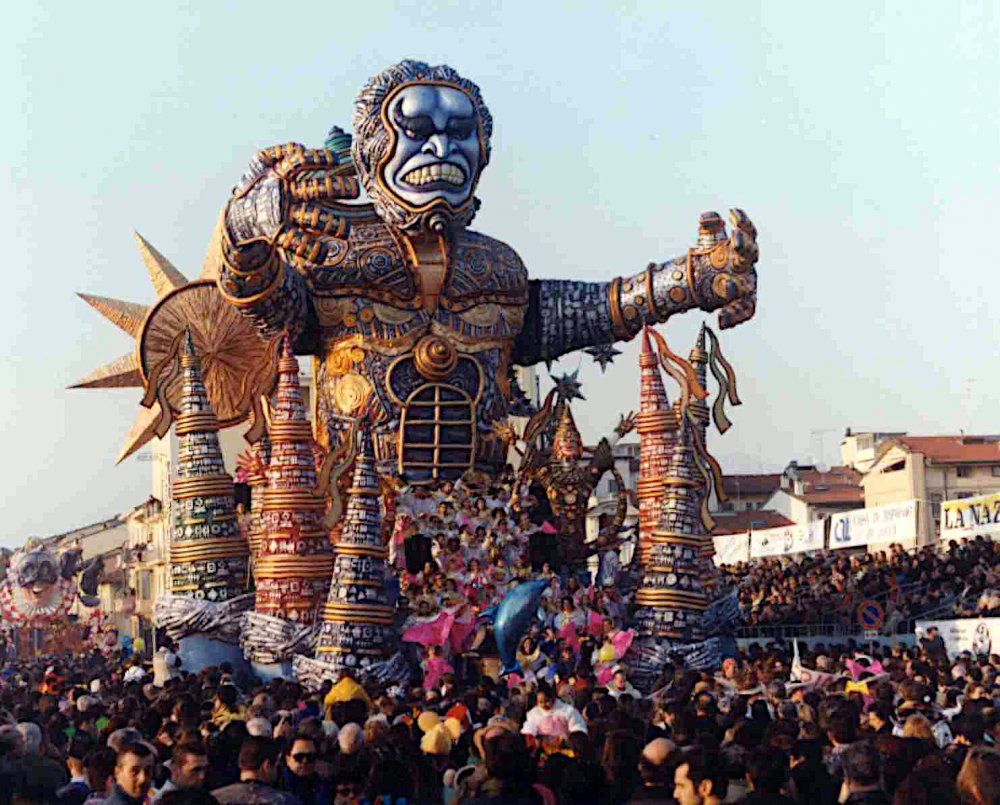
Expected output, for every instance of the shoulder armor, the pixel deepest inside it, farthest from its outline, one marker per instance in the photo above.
(484, 270)
(373, 266)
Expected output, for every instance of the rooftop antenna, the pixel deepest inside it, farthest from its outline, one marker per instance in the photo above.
(818, 438)
(967, 407)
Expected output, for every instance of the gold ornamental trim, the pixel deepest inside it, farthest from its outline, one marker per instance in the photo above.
(189, 544)
(648, 486)
(655, 421)
(358, 582)
(362, 620)
(301, 499)
(357, 490)
(270, 570)
(669, 538)
(664, 597)
(434, 357)
(186, 557)
(359, 550)
(614, 307)
(196, 422)
(674, 480)
(367, 652)
(349, 615)
(380, 610)
(202, 487)
(280, 561)
(293, 431)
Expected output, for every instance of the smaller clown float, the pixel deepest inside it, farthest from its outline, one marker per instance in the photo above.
(414, 325)
(38, 594)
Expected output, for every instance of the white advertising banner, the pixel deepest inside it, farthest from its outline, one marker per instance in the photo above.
(895, 522)
(731, 548)
(787, 540)
(978, 635)
(970, 516)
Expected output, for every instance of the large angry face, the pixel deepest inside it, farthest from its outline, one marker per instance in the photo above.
(421, 141)
(436, 153)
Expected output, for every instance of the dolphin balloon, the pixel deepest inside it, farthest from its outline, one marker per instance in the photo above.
(511, 618)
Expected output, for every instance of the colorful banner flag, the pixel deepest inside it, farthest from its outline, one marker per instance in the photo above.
(879, 525)
(731, 548)
(968, 517)
(807, 538)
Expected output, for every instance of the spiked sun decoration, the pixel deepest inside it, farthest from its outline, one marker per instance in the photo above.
(234, 358)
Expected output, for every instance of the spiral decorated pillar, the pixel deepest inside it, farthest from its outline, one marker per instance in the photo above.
(699, 415)
(357, 616)
(295, 559)
(209, 559)
(655, 423)
(670, 599)
(208, 555)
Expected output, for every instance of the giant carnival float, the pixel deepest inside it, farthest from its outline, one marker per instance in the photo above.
(359, 256)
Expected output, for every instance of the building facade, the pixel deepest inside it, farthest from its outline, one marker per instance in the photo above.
(931, 470)
(811, 493)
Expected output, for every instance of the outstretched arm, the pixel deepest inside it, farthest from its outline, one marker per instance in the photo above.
(276, 221)
(719, 273)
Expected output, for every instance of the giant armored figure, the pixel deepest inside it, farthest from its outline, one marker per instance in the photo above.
(414, 318)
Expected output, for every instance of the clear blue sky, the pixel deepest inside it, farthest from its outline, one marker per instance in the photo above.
(864, 140)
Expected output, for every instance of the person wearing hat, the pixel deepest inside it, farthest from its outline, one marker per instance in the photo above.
(619, 685)
(438, 740)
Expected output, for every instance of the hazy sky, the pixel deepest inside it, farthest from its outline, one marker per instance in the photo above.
(863, 139)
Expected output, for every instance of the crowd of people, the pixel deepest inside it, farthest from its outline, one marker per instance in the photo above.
(959, 581)
(893, 725)
(457, 548)
(771, 724)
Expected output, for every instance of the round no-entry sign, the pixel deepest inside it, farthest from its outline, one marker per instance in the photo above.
(871, 616)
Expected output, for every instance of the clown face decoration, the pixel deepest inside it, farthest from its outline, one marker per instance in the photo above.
(35, 574)
(40, 586)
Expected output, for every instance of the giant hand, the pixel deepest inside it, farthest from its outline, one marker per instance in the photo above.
(723, 273)
(282, 201)
(718, 273)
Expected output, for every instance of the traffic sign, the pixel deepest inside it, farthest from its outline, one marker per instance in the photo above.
(871, 616)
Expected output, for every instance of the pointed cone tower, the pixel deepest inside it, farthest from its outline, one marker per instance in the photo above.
(295, 560)
(700, 416)
(699, 408)
(357, 617)
(670, 599)
(208, 555)
(655, 423)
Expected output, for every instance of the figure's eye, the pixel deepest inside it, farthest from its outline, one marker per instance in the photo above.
(417, 128)
(460, 129)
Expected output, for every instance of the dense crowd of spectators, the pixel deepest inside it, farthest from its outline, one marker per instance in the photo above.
(457, 548)
(895, 725)
(826, 588)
